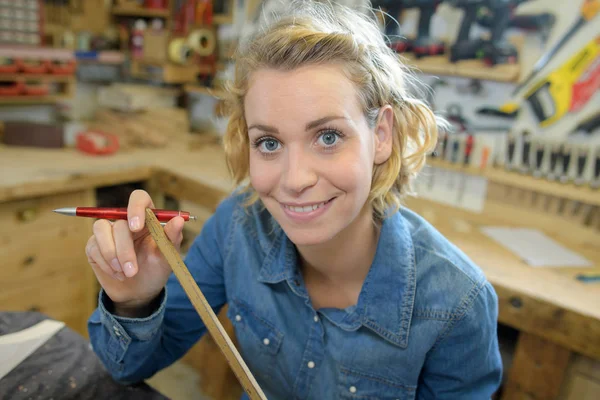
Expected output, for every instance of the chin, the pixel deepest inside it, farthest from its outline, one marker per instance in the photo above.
(308, 237)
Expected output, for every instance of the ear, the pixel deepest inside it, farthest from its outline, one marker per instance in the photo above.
(384, 131)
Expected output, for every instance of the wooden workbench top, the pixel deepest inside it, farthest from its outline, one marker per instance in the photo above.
(28, 172)
(548, 302)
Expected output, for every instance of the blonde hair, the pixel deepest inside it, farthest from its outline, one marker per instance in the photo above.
(313, 33)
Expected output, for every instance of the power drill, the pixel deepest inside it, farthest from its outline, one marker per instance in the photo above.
(391, 26)
(496, 50)
(424, 44)
(465, 48)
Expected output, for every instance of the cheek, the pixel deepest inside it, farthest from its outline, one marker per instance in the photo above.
(353, 173)
(263, 176)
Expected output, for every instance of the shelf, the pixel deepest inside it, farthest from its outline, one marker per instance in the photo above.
(36, 77)
(218, 93)
(475, 69)
(584, 194)
(222, 19)
(29, 100)
(140, 12)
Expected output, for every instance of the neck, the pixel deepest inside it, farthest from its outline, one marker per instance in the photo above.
(347, 257)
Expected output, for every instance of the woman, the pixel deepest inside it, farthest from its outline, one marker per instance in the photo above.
(334, 289)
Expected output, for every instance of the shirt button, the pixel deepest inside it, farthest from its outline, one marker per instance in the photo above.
(238, 318)
(352, 389)
(311, 364)
(116, 330)
(266, 341)
(316, 318)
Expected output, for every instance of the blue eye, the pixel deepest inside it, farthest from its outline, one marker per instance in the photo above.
(268, 145)
(329, 138)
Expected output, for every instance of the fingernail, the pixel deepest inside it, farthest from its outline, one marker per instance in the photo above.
(128, 269)
(119, 276)
(134, 223)
(116, 265)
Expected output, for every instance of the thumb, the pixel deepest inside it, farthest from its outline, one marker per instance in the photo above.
(174, 231)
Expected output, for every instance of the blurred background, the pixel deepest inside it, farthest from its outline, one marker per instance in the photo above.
(101, 97)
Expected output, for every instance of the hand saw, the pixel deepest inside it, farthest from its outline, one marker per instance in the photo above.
(566, 89)
(589, 9)
(212, 323)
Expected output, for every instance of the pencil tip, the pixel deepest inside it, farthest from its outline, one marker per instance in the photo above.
(193, 218)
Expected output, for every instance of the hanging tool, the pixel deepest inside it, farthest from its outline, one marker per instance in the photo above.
(566, 89)
(580, 138)
(498, 50)
(391, 28)
(540, 23)
(203, 308)
(582, 159)
(424, 44)
(464, 48)
(555, 155)
(539, 158)
(595, 182)
(589, 10)
(566, 162)
(526, 152)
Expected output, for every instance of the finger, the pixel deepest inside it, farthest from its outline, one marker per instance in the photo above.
(103, 232)
(174, 230)
(97, 262)
(139, 200)
(125, 250)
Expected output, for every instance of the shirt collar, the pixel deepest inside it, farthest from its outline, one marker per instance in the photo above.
(386, 300)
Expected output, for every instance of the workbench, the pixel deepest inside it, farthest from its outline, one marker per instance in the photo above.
(557, 316)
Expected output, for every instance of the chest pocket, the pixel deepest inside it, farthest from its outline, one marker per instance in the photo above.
(357, 385)
(259, 340)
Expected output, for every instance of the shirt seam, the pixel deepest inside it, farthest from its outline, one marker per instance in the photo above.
(460, 313)
(430, 251)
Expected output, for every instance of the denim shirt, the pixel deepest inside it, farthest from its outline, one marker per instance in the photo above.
(424, 326)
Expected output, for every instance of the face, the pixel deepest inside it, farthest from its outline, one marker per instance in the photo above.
(312, 152)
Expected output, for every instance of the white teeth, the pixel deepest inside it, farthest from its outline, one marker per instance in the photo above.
(305, 208)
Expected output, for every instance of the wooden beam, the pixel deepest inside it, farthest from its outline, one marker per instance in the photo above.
(537, 371)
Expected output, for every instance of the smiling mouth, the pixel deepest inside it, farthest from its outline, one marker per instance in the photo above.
(306, 209)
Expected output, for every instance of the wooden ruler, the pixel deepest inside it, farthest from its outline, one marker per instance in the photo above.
(204, 309)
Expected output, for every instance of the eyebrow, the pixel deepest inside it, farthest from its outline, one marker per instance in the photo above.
(309, 126)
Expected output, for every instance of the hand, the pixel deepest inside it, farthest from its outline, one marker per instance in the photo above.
(125, 258)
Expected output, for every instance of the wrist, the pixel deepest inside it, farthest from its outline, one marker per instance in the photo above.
(137, 308)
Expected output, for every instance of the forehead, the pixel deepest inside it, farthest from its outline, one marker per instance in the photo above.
(302, 93)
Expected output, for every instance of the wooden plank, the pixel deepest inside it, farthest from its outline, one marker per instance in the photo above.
(537, 371)
(204, 309)
(140, 12)
(36, 77)
(475, 69)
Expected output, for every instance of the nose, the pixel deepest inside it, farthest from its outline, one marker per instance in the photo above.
(299, 172)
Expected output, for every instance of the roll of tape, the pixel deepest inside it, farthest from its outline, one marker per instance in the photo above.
(179, 51)
(202, 41)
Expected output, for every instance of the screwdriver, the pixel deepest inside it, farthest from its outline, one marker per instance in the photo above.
(566, 162)
(596, 177)
(555, 154)
(539, 158)
(582, 157)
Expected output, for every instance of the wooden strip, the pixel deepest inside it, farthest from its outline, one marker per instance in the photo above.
(203, 308)
(538, 369)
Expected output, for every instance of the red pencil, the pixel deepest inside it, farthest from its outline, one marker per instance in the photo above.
(120, 213)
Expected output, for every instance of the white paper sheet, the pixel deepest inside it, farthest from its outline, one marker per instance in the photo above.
(535, 248)
(16, 347)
